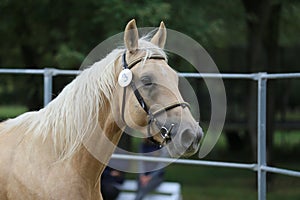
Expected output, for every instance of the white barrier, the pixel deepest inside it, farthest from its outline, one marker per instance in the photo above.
(261, 78)
(165, 191)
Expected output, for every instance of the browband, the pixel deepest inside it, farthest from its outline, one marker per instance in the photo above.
(137, 60)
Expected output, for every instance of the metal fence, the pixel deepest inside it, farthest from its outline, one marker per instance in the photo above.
(261, 78)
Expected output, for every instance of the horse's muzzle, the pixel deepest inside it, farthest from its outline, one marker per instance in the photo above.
(191, 139)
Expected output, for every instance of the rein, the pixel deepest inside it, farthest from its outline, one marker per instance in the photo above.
(165, 133)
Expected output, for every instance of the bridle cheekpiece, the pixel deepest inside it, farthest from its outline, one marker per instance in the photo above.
(165, 133)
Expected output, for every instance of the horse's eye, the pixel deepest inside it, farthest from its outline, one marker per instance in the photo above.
(146, 81)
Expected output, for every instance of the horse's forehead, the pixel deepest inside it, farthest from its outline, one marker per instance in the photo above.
(158, 68)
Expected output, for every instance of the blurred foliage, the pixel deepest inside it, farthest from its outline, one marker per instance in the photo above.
(61, 33)
(208, 24)
(290, 24)
(44, 33)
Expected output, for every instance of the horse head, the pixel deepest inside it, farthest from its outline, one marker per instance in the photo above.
(150, 100)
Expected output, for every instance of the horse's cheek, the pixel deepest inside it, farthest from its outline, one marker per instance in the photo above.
(139, 116)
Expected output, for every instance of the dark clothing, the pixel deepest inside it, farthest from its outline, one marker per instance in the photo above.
(153, 170)
(149, 149)
(109, 192)
(109, 184)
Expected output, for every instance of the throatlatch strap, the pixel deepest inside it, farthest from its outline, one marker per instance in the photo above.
(133, 86)
(139, 97)
(134, 89)
(123, 105)
(151, 116)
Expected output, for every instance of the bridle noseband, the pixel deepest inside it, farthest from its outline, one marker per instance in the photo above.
(165, 132)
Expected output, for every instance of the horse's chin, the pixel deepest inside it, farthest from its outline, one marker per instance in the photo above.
(189, 153)
(176, 153)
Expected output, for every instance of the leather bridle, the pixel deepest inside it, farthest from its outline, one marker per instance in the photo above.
(165, 132)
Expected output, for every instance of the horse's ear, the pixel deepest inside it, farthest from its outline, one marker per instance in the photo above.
(160, 36)
(131, 36)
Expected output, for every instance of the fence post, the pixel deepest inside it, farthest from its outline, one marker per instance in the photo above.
(48, 75)
(261, 135)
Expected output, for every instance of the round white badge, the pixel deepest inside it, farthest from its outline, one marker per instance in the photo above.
(125, 77)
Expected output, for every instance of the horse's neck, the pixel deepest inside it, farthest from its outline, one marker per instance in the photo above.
(96, 151)
(87, 166)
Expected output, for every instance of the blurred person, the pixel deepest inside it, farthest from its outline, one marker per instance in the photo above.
(152, 172)
(111, 179)
(113, 175)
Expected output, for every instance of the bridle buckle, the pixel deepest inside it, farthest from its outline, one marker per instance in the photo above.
(166, 134)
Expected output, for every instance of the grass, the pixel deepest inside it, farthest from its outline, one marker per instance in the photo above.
(228, 184)
(212, 183)
(287, 138)
(10, 111)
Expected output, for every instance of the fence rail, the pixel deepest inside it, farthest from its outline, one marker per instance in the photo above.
(261, 78)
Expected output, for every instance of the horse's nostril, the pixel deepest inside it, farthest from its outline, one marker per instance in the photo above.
(187, 138)
(191, 138)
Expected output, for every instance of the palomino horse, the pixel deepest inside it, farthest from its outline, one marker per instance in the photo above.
(47, 154)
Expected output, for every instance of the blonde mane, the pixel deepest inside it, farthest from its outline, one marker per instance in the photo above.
(74, 113)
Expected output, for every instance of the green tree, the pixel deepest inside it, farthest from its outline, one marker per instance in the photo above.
(39, 34)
